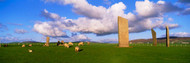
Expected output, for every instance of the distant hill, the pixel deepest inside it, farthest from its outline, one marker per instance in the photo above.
(163, 39)
(30, 42)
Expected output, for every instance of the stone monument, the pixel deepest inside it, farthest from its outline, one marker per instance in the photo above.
(167, 37)
(123, 33)
(154, 37)
(47, 41)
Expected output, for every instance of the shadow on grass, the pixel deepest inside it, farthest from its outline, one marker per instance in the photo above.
(81, 50)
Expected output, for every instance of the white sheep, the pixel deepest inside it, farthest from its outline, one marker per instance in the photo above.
(77, 49)
(70, 43)
(81, 43)
(30, 45)
(29, 50)
(23, 45)
(66, 45)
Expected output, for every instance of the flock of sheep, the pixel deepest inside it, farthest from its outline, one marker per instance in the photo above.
(67, 45)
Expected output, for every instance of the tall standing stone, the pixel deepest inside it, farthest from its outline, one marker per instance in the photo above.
(167, 37)
(154, 37)
(123, 33)
(47, 41)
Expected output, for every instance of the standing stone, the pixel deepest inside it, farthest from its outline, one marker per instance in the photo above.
(154, 37)
(47, 41)
(123, 33)
(167, 37)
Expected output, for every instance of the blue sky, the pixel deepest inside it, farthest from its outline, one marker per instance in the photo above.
(25, 20)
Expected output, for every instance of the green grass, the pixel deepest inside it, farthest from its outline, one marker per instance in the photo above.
(96, 53)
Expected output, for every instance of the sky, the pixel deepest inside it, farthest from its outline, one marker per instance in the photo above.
(90, 20)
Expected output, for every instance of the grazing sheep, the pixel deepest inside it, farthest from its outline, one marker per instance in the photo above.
(70, 43)
(18, 43)
(30, 45)
(88, 43)
(66, 45)
(29, 50)
(81, 43)
(45, 44)
(62, 42)
(77, 49)
(6, 45)
(23, 45)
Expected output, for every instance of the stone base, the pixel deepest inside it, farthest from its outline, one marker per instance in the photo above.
(122, 45)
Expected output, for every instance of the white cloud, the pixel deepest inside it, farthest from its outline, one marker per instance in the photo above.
(171, 26)
(20, 31)
(146, 8)
(74, 38)
(170, 19)
(180, 34)
(80, 37)
(49, 29)
(161, 2)
(102, 21)
(150, 9)
(52, 16)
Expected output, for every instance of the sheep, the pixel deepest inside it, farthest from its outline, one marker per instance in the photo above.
(30, 45)
(18, 43)
(45, 44)
(70, 43)
(66, 45)
(77, 49)
(23, 45)
(62, 42)
(88, 43)
(81, 43)
(29, 50)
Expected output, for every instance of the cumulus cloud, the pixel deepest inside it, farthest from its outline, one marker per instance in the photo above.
(49, 29)
(180, 34)
(74, 38)
(103, 21)
(51, 16)
(20, 31)
(171, 26)
(150, 9)
(80, 37)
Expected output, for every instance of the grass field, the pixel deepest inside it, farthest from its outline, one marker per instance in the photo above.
(96, 53)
